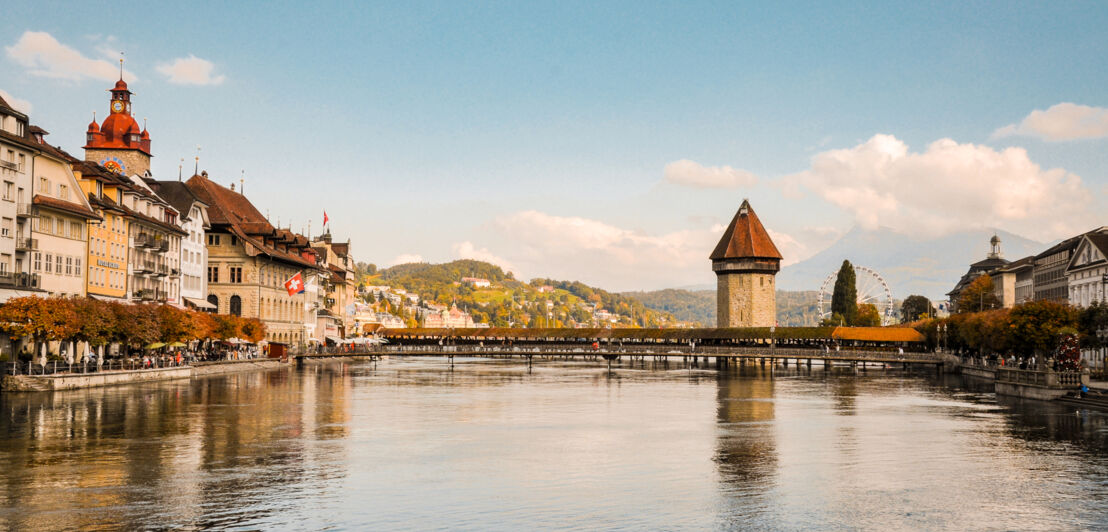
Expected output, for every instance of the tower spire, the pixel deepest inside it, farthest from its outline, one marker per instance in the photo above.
(120, 66)
(196, 168)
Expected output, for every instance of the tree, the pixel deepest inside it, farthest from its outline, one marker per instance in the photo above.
(1034, 326)
(226, 326)
(135, 325)
(43, 319)
(96, 322)
(915, 307)
(253, 330)
(867, 316)
(844, 300)
(979, 295)
(1093, 318)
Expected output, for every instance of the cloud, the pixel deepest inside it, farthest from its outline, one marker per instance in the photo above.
(44, 56)
(406, 258)
(599, 253)
(693, 174)
(1061, 122)
(466, 250)
(190, 70)
(18, 104)
(949, 187)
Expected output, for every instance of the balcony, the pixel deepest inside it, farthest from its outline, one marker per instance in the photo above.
(11, 165)
(163, 246)
(174, 272)
(145, 240)
(25, 210)
(161, 270)
(144, 294)
(143, 266)
(26, 244)
(162, 297)
(26, 280)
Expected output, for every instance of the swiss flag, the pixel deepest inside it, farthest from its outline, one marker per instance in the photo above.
(325, 218)
(295, 285)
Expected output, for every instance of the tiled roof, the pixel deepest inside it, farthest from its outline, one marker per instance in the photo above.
(745, 238)
(231, 211)
(177, 194)
(67, 206)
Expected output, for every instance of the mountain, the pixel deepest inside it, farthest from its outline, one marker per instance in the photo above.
(909, 264)
(794, 309)
(508, 301)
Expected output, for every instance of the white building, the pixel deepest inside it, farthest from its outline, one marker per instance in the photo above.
(191, 277)
(17, 154)
(1087, 271)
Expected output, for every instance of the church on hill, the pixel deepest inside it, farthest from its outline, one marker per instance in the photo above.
(746, 262)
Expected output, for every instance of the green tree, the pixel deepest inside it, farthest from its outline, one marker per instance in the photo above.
(1035, 326)
(915, 307)
(844, 299)
(979, 295)
(867, 316)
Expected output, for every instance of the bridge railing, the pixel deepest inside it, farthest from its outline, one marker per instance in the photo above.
(1051, 379)
(629, 350)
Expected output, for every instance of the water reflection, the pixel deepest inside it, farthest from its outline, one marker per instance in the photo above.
(490, 445)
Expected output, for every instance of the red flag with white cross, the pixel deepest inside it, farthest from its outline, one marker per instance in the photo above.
(295, 284)
(325, 218)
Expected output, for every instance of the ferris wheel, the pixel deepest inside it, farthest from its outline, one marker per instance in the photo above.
(872, 289)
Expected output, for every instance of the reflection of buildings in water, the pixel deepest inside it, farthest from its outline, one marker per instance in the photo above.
(1041, 421)
(746, 449)
(844, 391)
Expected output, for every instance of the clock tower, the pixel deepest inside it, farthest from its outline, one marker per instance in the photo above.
(119, 144)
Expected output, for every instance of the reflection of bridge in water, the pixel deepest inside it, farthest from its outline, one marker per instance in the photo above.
(801, 345)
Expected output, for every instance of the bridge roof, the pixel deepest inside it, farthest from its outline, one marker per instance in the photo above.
(873, 334)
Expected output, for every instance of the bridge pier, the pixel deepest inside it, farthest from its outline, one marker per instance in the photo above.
(809, 363)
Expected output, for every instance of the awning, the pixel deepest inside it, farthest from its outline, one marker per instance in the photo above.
(99, 297)
(199, 303)
(5, 295)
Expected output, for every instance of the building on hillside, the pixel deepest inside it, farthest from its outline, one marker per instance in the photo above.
(191, 277)
(250, 260)
(746, 262)
(1013, 282)
(17, 154)
(1087, 271)
(995, 259)
(476, 282)
(107, 239)
(59, 232)
(342, 287)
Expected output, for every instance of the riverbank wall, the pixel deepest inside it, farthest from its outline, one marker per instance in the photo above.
(73, 381)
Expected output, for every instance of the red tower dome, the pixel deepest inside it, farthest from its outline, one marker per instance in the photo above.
(119, 130)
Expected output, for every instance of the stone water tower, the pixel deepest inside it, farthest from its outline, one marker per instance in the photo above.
(746, 262)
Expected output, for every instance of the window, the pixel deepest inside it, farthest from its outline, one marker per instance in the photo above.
(44, 185)
(236, 274)
(77, 266)
(75, 231)
(49, 263)
(214, 301)
(68, 265)
(236, 306)
(213, 240)
(9, 187)
(63, 192)
(213, 274)
(6, 227)
(234, 240)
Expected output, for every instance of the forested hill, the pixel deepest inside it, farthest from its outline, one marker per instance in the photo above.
(794, 309)
(509, 301)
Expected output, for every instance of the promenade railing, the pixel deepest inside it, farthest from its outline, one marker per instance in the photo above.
(54, 367)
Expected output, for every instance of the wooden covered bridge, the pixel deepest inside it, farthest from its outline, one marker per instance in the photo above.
(828, 344)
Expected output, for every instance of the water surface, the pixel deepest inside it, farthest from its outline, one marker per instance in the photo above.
(412, 444)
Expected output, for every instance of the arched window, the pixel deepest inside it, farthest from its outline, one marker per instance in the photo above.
(214, 301)
(236, 306)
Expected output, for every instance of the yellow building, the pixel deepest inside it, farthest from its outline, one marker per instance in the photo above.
(107, 240)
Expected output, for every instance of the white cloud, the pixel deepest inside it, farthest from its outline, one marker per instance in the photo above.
(1063, 121)
(466, 250)
(406, 258)
(949, 187)
(190, 70)
(19, 104)
(44, 56)
(694, 174)
(605, 255)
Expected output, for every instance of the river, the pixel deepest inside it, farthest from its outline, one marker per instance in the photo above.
(487, 445)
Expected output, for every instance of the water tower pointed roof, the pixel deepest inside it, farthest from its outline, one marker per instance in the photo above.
(745, 238)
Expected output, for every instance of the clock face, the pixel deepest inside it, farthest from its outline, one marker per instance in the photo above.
(113, 164)
(117, 106)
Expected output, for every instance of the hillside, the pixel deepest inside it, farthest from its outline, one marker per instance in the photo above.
(794, 309)
(510, 302)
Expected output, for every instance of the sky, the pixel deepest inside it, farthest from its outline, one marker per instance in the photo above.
(607, 142)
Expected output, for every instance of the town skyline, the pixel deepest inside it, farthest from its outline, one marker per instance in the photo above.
(605, 144)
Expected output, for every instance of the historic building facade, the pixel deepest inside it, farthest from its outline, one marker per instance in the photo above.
(192, 277)
(341, 288)
(119, 144)
(994, 260)
(108, 243)
(746, 263)
(17, 158)
(1087, 271)
(249, 261)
